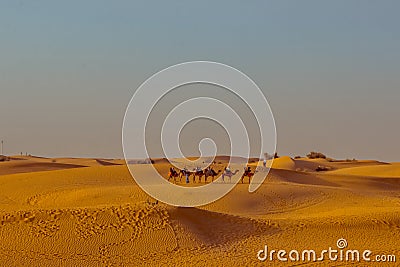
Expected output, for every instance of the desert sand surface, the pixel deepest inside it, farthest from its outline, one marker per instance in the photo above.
(90, 212)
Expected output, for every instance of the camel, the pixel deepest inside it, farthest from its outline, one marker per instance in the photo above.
(229, 174)
(210, 172)
(197, 173)
(249, 174)
(173, 174)
(183, 173)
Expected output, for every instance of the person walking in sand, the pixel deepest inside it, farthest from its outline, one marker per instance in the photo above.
(186, 175)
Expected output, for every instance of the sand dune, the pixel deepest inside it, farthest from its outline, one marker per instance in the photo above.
(25, 164)
(97, 215)
(285, 163)
(387, 170)
(29, 166)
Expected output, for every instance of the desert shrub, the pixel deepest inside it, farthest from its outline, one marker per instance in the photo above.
(3, 158)
(316, 155)
(322, 169)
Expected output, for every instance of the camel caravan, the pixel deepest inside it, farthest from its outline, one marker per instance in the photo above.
(206, 173)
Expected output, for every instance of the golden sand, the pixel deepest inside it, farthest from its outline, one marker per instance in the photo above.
(87, 212)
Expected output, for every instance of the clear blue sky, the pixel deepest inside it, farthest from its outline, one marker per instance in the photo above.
(331, 70)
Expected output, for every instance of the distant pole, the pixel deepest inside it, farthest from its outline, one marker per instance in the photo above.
(2, 142)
